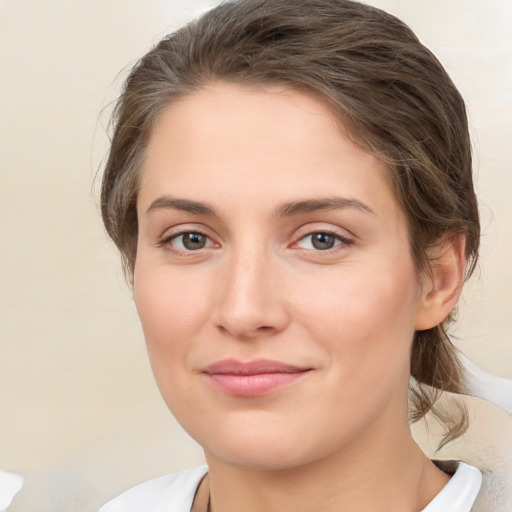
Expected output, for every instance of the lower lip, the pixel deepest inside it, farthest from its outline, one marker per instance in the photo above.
(253, 385)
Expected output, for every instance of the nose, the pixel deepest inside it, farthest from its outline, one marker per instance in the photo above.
(250, 299)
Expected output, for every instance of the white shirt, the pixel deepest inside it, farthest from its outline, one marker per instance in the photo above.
(10, 484)
(175, 493)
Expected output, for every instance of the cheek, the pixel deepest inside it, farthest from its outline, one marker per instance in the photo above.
(366, 321)
(172, 309)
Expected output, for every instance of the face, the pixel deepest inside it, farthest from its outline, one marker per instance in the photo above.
(273, 278)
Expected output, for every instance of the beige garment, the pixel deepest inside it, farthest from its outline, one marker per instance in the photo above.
(487, 445)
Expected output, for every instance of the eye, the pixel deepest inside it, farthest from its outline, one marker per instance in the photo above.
(189, 241)
(321, 241)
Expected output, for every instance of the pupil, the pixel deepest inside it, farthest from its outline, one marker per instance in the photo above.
(194, 241)
(323, 241)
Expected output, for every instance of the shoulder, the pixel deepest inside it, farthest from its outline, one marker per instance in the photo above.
(170, 493)
(460, 493)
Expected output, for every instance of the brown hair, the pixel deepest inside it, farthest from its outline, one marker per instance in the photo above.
(391, 92)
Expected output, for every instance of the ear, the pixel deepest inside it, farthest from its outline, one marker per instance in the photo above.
(441, 288)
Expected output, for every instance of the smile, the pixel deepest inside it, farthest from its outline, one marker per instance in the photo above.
(253, 378)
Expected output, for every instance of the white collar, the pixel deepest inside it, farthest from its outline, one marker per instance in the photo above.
(460, 493)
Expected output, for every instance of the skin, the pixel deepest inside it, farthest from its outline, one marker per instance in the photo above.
(338, 437)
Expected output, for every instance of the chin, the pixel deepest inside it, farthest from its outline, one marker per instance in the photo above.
(267, 448)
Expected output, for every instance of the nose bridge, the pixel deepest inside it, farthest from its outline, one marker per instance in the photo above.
(249, 301)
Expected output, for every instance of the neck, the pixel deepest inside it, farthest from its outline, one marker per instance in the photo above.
(372, 475)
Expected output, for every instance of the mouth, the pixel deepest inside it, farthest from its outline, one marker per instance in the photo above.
(254, 378)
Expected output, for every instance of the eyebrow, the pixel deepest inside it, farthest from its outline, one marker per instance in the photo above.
(313, 205)
(285, 210)
(185, 205)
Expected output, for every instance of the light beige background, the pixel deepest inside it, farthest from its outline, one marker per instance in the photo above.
(80, 414)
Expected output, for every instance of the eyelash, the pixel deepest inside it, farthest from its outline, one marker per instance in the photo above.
(341, 242)
(166, 242)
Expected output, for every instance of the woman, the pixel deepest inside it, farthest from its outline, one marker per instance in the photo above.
(289, 185)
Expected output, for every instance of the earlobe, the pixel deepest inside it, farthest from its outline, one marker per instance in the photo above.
(442, 287)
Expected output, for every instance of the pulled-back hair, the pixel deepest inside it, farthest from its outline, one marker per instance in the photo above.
(390, 92)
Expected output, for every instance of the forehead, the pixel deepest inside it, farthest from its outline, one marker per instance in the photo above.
(233, 142)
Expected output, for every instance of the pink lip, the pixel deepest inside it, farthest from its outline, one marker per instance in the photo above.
(253, 378)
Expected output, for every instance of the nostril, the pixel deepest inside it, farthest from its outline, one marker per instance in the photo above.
(264, 329)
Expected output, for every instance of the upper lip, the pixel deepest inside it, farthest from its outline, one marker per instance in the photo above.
(255, 367)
